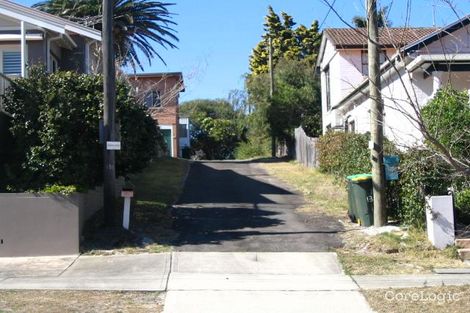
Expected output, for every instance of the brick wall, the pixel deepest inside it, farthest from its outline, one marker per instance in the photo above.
(167, 114)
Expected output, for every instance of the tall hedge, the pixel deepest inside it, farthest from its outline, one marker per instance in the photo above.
(422, 174)
(343, 154)
(55, 127)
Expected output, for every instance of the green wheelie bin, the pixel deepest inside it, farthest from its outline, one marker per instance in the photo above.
(360, 199)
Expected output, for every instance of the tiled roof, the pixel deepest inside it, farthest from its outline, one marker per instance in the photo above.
(389, 37)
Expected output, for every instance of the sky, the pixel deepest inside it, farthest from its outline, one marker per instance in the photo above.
(216, 36)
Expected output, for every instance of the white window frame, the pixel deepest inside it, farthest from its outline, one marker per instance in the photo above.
(8, 48)
(170, 127)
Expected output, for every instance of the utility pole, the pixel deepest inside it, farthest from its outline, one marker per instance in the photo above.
(376, 116)
(271, 91)
(109, 112)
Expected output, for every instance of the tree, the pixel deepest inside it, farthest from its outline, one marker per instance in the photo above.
(382, 19)
(445, 121)
(137, 25)
(293, 44)
(216, 127)
(296, 101)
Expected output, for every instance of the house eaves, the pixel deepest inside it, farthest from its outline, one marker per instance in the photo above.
(46, 20)
(420, 43)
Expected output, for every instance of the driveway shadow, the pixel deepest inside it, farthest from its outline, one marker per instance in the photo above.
(235, 206)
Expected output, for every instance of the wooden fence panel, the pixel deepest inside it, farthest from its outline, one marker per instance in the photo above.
(305, 149)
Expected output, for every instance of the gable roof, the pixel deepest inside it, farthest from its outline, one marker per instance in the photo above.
(388, 37)
(409, 48)
(46, 20)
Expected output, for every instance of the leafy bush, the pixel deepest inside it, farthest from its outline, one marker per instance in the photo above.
(217, 138)
(462, 204)
(65, 190)
(254, 147)
(55, 127)
(343, 154)
(421, 174)
(446, 117)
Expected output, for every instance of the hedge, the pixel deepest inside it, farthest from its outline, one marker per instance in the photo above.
(422, 174)
(55, 128)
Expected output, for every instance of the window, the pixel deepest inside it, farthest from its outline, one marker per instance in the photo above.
(11, 63)
(327, 86)
(183, 130)
(152, 99)
(365, 61)
(54, 64)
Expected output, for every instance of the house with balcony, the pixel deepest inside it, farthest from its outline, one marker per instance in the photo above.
(415, 64)
(30, 37)
(160, 92)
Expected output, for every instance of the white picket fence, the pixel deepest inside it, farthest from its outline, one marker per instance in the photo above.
(305, 149)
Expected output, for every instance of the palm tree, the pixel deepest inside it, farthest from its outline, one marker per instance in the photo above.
(137, 25)
(382, 19)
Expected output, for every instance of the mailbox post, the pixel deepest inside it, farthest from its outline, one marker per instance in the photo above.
(127, 194)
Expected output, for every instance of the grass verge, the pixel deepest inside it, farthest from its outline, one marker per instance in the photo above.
(156, 188)
(446, 299)
(80, 301)
(405, 252)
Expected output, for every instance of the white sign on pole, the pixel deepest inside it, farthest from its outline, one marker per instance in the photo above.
(113, 145)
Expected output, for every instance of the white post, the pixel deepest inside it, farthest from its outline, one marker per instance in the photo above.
(126, 213)
(23, 49)
(440, 221)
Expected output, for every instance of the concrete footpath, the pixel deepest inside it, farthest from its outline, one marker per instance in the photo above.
(217, 281)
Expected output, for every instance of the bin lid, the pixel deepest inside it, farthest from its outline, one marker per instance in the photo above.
(360, 177)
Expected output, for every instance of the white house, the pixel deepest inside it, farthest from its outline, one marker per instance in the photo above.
(29, 36)
(416, 62)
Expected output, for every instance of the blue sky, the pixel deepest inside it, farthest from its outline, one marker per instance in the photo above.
(216, 36)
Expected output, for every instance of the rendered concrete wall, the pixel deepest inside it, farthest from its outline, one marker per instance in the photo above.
(44, 224)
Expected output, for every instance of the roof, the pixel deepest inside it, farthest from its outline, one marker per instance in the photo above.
(156, 75)
(46, 20)
(388, 37)
(419, 43)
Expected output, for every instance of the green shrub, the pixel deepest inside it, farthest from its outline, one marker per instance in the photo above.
(253, 148)
(64, 190)
(462, 205)
(421, 174)
(55, 127)
(446, 117)
(343, 154)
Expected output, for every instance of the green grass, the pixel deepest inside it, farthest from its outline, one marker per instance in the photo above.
(156, 188)
(319, 189)
(160, 184)
(406, 252)
(394, 253)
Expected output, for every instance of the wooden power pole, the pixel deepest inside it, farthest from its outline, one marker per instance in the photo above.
(376, 116)
(109, 112)
(271, 91)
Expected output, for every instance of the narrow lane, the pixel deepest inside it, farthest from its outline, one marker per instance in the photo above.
(238, 207)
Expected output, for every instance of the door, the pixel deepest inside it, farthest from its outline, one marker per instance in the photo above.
(167, 137)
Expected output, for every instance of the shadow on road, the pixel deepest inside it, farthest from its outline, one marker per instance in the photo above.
(235, 206)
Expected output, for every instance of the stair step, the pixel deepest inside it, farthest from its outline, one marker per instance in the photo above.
(463, 243)
(464, 254)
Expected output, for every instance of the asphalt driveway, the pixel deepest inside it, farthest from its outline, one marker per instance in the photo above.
(239, 207)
